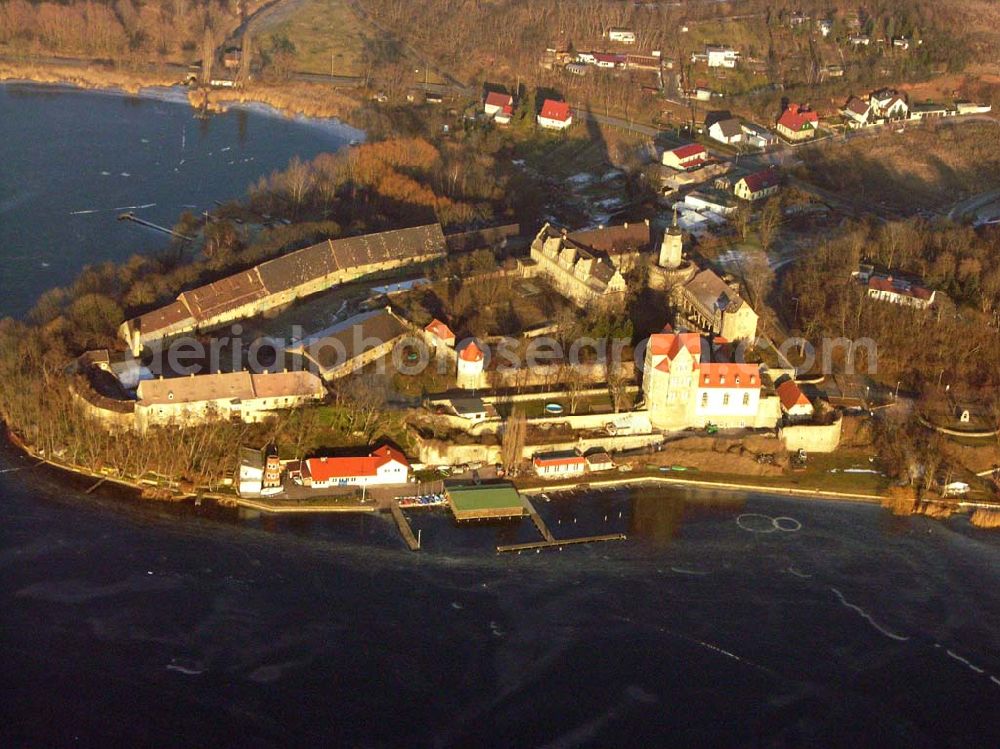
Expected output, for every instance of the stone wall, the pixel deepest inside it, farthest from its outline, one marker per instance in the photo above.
(813, 438)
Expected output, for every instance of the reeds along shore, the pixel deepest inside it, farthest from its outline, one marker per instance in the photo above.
(985, 518)
(291, 98)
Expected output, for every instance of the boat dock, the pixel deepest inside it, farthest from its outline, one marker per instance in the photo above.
(130, 216)
(539, 545)
(404, 527)
(537, 520)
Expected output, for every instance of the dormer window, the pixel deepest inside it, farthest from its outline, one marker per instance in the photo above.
(737, 379)
(752, 379)
(722, 379)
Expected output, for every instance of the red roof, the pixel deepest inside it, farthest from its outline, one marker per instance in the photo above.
(555, 110)
(898, 286)
(437, 328)
(796, 117)
(472, 352)
(670, 344)
(496, 99)
(725, 375)
(689, 151)
(559, 460)
(323, 469)
(791, 396)
(762, 180)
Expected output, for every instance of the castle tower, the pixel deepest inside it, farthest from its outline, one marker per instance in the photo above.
(672, 246)
(471, 363)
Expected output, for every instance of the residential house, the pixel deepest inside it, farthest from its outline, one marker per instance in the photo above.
(825, 26)
(622, 36)
(385, 466)
(555, 115)
(858, 113)
(237, 396)
(859, 40)
(685, 158)
(758, 136)
(496, 102)
(889, 104)
(684, 387)
(758, 185)
(440, 334)
(474, 410)
(232, 57)
(503, 116)
(900, 42)
(609, 60)
(716, 307)
(576, 68)
(798, 123)
(726, 131)
(587, 58)
(259, 472)
(721, 57)
(794, 404)
(561, 464)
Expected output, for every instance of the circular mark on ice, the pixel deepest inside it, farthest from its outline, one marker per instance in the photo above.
(756, 523)
(787, 524)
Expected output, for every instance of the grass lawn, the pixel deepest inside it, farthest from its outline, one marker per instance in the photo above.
(323, 32)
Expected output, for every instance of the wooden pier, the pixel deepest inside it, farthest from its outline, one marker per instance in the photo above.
(539, 545)
(129, 216)
(537, 520)
(92, 488)
(404, 527)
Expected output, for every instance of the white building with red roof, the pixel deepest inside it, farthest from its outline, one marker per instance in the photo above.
(685, 388)
(385, 466)
(440, 334)
(758, 185)
(555, 115)
(794, 402)
(798, 122)
(471, 366)
(685, 158)
(560, 464)
(496, 102)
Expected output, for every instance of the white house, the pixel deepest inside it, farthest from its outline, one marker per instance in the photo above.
(794, 403)
(495, 103)
(899, 291)
(555, 115)
(758, 185)
(622, 36)
(472, 409)
(385, 466)
(757, 136)
(686, 157)
(559, 464)
(726, 131)
(721, 57)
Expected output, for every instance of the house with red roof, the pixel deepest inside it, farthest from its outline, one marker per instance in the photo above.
(439, 333)
(686, 158)
(384, 466)
(798, 123)
(690, 381)
(794, 402)
(555, 115)
(887, 288)
(560, 464)
(758, 185)
(496, 102)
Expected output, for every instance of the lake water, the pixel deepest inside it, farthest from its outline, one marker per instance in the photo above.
(725, 620)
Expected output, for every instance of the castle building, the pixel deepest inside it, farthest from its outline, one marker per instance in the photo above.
(580, 272)
(282, 280)
(670, 268)
(684, 388)
(715, 307)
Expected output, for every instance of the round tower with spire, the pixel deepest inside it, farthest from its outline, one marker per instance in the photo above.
(672, 246)
(670, 268)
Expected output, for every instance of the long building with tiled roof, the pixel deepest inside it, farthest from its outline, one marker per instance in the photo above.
(276, 282)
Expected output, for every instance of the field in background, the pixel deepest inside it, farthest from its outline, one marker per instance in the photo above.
(926, 168)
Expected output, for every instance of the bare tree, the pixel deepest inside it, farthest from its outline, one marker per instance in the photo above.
(768, 223)
(515, 433)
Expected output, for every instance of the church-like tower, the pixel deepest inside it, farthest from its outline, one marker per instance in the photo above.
(672, 246)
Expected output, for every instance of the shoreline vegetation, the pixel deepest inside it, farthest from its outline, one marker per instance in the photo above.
(291, 99)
